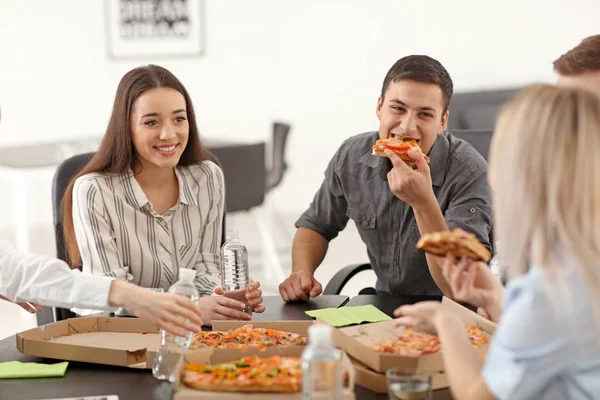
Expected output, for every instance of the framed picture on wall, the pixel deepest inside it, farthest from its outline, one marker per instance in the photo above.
(154, 28)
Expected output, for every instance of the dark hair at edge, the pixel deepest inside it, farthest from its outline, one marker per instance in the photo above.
(421, 68)
(116, 152)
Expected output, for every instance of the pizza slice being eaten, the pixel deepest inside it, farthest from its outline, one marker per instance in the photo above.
(400, 147)
(456, 242)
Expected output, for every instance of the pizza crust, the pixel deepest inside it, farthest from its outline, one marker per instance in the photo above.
(190, 378)
(457, 242)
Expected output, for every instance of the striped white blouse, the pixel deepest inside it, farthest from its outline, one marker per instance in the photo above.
(120, 235)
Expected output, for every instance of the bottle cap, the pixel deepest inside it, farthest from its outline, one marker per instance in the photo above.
(319, 334)
(232, 234)
(186, 274)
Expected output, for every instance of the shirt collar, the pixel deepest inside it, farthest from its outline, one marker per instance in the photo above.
(437, 166)
(186, 186)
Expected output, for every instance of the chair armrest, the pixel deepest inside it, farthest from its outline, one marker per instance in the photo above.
(335, 285)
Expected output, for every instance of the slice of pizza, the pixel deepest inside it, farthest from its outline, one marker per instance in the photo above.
(456, 242)
(399, 146)
(249, 374)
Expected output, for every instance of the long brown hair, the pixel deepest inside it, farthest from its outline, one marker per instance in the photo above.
(116, 153)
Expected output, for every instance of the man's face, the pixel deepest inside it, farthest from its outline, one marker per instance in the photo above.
(588, 80)
(413, 110)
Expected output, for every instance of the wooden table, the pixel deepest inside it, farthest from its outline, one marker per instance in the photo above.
(84, 379)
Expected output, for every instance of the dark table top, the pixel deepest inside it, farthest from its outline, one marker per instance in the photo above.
(83, 379)
(387, 303)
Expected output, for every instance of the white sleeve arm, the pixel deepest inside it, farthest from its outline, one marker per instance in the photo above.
(50, 282)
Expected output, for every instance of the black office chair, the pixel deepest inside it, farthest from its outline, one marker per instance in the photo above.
(247, 177)
(478, 109)
(63, 175)
(478, 138)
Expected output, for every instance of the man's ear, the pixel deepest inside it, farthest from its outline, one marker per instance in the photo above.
(444, 121)
(378, 109)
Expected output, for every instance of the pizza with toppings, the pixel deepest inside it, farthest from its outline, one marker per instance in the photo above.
(399, 146)
(411, 343)
(249, 374)
(244, 337)
(456, 242)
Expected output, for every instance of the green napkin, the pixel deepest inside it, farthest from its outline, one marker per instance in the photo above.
(16, 369)
(349, 315)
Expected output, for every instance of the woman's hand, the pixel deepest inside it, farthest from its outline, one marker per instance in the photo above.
(173, 313)
(222, 307)
(423, 316)
(252, 296)
(473, 282)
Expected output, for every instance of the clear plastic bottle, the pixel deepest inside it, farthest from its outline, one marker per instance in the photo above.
(172, 347)
(234, 264)
(322, 376)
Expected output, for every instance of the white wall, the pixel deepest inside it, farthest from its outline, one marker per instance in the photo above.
(317, 64)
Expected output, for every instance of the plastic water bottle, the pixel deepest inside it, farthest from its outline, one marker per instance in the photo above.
(321, 366)
(234, 264)
(172, 347)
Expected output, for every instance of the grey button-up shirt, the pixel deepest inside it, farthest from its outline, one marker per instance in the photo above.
(356, 187)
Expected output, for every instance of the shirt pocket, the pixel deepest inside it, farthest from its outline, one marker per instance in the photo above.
(366, 224)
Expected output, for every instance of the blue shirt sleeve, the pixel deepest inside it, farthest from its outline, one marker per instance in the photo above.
(532, 346)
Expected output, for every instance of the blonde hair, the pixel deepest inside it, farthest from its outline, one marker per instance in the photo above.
(545, 175)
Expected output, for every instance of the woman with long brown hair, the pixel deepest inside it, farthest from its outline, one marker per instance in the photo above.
(150, 201)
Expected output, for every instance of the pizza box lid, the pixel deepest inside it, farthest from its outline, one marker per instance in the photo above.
(355, 340)
(123, 342)
(210, 356)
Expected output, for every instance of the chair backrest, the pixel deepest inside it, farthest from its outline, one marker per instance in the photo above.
(477, 110)
(63, 175)
(243, 165)
(281, 132)
(478, 138)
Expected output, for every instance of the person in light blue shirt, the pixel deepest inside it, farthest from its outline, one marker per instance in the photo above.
(547, 344)
(544, 174)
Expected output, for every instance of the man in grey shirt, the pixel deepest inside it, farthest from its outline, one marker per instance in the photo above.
(392, 204)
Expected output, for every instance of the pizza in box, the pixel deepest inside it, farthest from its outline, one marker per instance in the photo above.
(245, 337)
(253, 374)
(412, 343)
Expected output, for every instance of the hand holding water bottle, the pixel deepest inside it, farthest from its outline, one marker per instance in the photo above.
(235, 274)
(252, 296)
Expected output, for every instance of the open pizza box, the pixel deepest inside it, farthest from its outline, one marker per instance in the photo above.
(123, 342)
(355, 340)
(216, 356)
(377, 382)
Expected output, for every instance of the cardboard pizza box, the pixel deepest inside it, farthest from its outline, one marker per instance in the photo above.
(355, 340)
(100, 340)
(377, 382)
(210, 356)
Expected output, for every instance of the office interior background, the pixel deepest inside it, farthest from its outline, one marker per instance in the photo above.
(315, 65)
